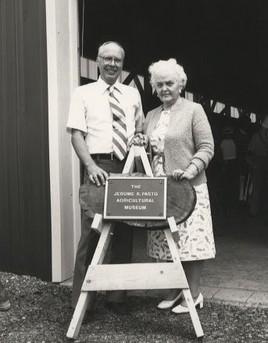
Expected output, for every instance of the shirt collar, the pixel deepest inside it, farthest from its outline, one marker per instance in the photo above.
(104, 86)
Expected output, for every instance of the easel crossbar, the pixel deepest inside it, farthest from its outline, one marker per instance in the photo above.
(135, 276)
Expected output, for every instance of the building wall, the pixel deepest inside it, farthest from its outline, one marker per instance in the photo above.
(63, 77)
(25, 219)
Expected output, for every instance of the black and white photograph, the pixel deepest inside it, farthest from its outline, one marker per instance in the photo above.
(134, 171)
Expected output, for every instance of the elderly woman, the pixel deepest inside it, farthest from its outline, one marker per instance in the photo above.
(182, 146)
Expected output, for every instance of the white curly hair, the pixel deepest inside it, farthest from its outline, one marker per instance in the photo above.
(168, 65)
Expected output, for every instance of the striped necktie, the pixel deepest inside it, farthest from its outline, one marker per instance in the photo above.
(119, 127)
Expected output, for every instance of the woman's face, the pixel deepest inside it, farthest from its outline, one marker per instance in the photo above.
(167, 87)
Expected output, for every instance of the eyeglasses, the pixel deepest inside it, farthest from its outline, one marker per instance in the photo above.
(110, 60)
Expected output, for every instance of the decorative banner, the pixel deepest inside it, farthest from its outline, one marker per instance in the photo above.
(135, 198)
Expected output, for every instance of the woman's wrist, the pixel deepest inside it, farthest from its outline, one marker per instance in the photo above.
(192, 169)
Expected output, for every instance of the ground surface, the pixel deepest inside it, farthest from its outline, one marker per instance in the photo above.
(40, 313)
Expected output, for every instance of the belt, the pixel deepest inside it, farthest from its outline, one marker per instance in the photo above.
(110, 156)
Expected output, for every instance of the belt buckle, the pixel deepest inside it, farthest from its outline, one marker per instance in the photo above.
(112, 156)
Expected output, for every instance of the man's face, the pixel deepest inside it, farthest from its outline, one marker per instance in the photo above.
(110, 63)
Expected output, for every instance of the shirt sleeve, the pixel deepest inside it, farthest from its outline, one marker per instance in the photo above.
(139, 115)
(203, 139)
(77, 112)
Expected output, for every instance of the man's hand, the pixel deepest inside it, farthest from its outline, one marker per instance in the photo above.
(96, 174)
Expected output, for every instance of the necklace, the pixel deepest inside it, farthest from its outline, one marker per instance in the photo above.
(165, 112)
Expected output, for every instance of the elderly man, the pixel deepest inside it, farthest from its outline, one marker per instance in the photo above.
(104, 116)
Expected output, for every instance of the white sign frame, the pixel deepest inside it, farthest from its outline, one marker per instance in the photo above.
(140, 216)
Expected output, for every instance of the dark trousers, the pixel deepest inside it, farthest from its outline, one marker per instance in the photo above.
(230, 186)
(259, 197)
(3, 294)
(121, 245)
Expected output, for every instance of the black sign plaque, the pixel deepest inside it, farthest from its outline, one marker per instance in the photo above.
(135, 198)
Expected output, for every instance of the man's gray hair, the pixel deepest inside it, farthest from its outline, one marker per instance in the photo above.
(101, 47)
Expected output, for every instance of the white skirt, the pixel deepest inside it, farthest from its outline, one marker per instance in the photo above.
(196, 240)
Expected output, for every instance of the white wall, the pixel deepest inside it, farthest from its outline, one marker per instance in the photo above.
(63, 76)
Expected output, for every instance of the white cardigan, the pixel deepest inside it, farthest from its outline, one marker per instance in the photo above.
(188, 140)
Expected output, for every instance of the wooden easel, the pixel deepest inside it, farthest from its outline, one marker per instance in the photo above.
(133, 276)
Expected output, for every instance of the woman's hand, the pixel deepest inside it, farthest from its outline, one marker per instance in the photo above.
(189, 173)
(179, 174)
(139, 139)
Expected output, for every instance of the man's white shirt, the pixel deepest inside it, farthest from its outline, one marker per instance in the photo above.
(90, 113)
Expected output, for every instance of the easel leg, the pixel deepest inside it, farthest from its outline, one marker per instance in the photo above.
(84, 297)
(78, 315)
(193, 313)
(186, 292)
